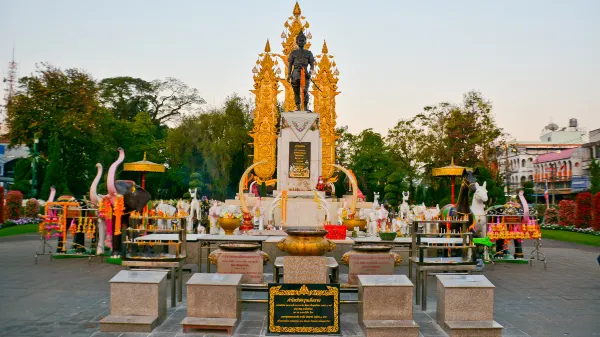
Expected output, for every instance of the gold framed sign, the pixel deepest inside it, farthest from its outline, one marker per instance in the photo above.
(304, 308)
(299, 160)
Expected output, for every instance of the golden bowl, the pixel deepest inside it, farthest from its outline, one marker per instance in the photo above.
(306, 242)
(229, 224)
(351, 223)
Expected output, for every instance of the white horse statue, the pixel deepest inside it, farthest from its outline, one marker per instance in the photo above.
(375, 200)
(480, 197)
(194, 208)
(404, 208)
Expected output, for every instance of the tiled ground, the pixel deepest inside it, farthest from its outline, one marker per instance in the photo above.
(69, 297)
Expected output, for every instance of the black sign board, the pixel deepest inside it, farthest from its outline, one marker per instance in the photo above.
(304, 308)
(299, 160)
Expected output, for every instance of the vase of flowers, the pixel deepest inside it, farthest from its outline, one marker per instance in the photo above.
(230, 218)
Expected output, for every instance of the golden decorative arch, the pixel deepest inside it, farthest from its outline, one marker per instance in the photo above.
(326, 78)
(264, 133)
(293, 26)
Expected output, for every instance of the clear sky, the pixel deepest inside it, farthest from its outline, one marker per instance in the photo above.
(534, 59)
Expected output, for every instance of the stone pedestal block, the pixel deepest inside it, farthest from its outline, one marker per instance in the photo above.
(464, 298)
(138, 301)
(213, 301)
(305, 269)
(386, 306)
(465, 306)
(385, 297)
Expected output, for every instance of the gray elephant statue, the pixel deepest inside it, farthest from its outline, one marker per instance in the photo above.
(135, 198)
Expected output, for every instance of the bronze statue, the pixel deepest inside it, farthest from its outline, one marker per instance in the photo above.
(298, 62)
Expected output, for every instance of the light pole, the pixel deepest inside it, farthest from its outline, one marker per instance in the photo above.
(36, 140)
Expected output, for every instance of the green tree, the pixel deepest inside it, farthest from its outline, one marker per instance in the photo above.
(371, 162)
(55, 171)
(169, 99)
(394, 187)
(528, 191)
(493, 185)
(594, 177)
(125, 96)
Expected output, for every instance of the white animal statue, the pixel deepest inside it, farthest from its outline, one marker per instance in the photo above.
(213, 216)
(404, 208)
(375, 200)
(259, 215)
(430, 214)
(419, 210)
(480, 197)
(372, 223)
(167, 210)
(194, 208)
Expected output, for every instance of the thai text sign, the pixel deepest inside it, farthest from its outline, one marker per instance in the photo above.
(299, 160)
(304, 308)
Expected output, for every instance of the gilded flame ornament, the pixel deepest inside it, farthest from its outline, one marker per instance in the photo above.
(326, 78)
(264, 133)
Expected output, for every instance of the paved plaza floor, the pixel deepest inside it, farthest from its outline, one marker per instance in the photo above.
(70, 297)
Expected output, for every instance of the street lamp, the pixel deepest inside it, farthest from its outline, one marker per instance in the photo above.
(36, 140)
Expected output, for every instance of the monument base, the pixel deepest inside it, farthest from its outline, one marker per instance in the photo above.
(227, 324)
(384, 328)
(118, 323)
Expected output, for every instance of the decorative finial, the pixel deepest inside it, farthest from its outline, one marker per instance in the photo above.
(268, 47)
(144, 156)
(325, 50)
(297, 10)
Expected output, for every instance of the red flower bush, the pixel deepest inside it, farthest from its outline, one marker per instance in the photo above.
(551, 216)
(596, 223)
(566, 213)
(1, 204)
(583, 213)
(32, 208)
(14, 202)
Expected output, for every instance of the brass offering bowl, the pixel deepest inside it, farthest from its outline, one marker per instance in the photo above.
(372, 249)
(306, 242)
(237, 247)
(351, 223)
(229, 224)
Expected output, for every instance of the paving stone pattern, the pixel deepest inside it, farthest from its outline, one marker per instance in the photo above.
(70, 297)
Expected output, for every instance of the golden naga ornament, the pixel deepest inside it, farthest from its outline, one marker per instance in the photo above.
(264, 133)
(326, 78)
(293, 26)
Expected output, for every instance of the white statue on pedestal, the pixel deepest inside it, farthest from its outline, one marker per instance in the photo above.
(431, 214)
(372, 222)
(404, 208)
(194, 208)
(213, 215)
(375, 200)
(259, 215)
(168, 211)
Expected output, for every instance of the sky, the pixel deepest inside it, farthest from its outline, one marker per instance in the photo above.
(536, 60)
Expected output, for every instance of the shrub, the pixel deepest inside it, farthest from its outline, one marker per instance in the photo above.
(14, 202)
(541, 210)
(583, 211)
(551, 216)
(596, 222)
(32, 208)
(566, 213)
(1, 204)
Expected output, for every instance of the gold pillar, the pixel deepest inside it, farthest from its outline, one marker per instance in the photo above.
(326, 78)
(264, 133)
(293, 26)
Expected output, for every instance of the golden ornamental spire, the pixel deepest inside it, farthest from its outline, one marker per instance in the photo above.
(326, 78)
(293, 26)
(264, 132)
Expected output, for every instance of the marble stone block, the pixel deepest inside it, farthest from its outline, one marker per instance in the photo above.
(369, 264)
(464, 298)
(138, 301)
(305, 269)
(214, 295)
(390, 328)
(473, 329)
(139, 293)
(385, 297)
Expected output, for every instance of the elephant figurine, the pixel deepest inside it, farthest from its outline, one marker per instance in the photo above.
(135, 198)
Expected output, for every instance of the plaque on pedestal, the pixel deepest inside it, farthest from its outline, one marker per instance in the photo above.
(304, 308)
